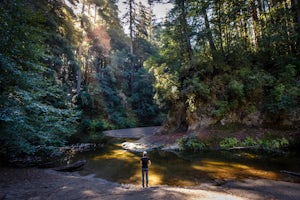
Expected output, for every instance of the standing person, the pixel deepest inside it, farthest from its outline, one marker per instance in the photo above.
(145, 163)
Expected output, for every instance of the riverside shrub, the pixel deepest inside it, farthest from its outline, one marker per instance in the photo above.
(191, 144)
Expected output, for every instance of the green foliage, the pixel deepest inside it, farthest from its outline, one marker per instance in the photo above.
(225, 68)
(221, 109)
(85, 101)
(191, 144)
(20, 31)
(29, 118)
(114, 106)
(143, 105)
(97, 126)
(89, 131)
(273, 144)
(228, 142)
(266, 144)
(92, 126)
(195, 86)
(236, 89)
(34, 110)
(283, 98)
(248, 142)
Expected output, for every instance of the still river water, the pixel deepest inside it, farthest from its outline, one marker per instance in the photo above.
(118, 165)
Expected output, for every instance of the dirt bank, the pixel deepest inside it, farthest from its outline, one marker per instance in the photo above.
(40, 184)
(148, 138)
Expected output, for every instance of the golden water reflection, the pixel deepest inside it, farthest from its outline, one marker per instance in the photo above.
(118, 165)
(223, 170)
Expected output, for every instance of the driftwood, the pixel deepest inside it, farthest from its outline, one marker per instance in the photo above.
(72, 167)
(291, 173)
(241, 148)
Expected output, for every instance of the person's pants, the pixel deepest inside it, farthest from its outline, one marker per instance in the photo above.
(145, 173)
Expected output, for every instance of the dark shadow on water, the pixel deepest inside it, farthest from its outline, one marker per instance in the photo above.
(115, 164)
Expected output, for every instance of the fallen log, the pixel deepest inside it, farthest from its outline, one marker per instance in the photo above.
(291, 173)
(242, 148)
(72, 167)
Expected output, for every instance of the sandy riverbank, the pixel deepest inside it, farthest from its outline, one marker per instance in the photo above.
(40, 184)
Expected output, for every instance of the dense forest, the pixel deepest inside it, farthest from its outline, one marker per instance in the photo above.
(235, 62)
(69, 71)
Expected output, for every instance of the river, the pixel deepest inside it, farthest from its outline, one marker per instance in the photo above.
(118, 165)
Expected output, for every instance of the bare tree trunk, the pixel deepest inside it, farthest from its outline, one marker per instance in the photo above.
(296, 7)
(131, 21)
(220, 25)
(245, 27)
(270, 6)
(255, 24)
(95, 16)
(288, 26)
(185, 31)
(79, 73)
(209, 35)
(131, 34)
(79, 69)
(86, 66)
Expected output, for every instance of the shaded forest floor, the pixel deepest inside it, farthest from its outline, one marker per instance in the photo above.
(40, 184)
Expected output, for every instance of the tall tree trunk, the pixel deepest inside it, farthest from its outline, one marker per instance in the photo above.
(86, 66)
(209, 34)
(131, 34)
(244, 20)
(296, 8)
(79, 73)
(79, 69)
(270, 6)
(131, 24)
(255, 24)
(95, 16)
(219, 7)
(261, 20)
(288, 26)
(184, 30)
